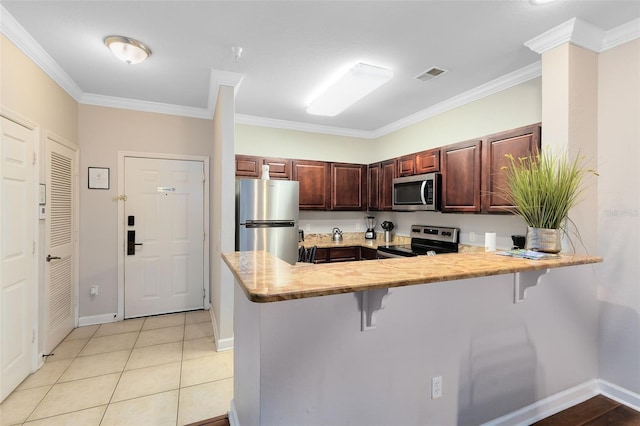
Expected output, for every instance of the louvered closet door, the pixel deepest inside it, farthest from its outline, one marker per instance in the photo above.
(60, 244)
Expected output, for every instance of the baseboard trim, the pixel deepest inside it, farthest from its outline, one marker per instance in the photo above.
(233, 414)
(565, 399)
(548, 406)
(97, 319)
(221, 344)
(620, 394)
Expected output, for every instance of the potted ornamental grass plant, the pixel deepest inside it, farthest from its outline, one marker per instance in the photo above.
(544, 187)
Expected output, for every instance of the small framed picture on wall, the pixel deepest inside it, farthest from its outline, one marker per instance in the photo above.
(98, 178)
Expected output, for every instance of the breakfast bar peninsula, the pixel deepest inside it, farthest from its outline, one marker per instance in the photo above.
(360, 343)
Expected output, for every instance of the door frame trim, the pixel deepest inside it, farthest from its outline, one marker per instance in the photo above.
(121, 227)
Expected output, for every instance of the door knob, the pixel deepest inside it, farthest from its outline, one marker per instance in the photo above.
(50, 258)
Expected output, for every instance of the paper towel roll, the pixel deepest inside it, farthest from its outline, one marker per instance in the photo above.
(490, 241)
(265, 172)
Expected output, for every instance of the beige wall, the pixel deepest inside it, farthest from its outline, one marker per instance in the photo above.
(102, 133)
(514, 107)
(223, 216)
(268, 142)
(619, 214)
(27, 93)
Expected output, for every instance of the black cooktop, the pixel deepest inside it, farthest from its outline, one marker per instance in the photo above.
(426, 240)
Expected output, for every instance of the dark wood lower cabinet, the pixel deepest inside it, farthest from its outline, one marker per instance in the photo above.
(367, 253)
(344, 254)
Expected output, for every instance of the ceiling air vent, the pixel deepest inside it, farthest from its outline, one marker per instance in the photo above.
(430, 74)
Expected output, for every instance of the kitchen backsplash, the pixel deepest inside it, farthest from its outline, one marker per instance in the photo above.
(472, 227)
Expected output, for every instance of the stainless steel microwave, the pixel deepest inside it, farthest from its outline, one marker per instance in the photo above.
(419, 192)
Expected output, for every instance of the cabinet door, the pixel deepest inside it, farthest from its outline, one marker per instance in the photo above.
(322, 255)
(407, 165)
(248, 166)
(279, 168)
(367, 253)
(373, 186)
(315, 181)
(461, 171)
(344, 254)
(388, 172)
(348, 186)
(428, 161)
(519, 142)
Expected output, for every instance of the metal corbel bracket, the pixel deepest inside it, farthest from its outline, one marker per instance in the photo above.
(371, 302)
(522, 281)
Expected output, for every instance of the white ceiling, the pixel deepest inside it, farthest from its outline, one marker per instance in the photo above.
(290, 48)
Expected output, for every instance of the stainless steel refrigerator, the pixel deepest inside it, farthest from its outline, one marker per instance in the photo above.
(267, 217)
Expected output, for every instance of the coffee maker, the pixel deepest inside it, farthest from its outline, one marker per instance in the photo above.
(370, 234)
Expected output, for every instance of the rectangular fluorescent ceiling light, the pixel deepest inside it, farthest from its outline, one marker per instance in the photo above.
(355, 84)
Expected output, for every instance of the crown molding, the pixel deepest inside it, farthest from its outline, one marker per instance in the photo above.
(23, 40)
(252, 120)
(145, 106)
(586, 35)
(499, 84)
(622, 34)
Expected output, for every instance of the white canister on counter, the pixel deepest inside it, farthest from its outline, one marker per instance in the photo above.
(490, 241)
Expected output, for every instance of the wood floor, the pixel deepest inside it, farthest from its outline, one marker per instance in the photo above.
(597, 411)
(216, 421)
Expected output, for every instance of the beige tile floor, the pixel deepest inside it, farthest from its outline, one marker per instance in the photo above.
(161, 370)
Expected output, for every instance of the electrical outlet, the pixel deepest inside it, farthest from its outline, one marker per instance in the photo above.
(436, 387)
(308, 228)
(357, 226)
(472, 236)
(93, 291)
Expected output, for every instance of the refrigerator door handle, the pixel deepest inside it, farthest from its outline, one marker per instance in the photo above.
(269, 224)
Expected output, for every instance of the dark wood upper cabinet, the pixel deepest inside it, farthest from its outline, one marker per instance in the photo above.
(315, 182)
(373, 186)
(388, 171)
(428, 161)
(279, 168)
(520, 142)
(248, 166)
(407, 165)
(348, 186)
(461, 173)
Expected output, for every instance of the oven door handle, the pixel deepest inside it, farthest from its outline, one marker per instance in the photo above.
(422, 189)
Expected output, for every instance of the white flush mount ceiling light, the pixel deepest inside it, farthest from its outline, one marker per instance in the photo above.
(539, 2)
(348, 88)
(127, 49)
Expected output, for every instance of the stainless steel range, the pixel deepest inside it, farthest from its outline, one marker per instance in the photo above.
(425, 240)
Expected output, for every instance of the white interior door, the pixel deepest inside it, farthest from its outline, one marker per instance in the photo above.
(164, 208)
(18, 206)
(60, 241)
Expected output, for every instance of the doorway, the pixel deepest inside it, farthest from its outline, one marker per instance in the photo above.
(164, 235)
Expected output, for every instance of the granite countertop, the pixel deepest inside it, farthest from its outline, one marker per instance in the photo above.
(265, 278)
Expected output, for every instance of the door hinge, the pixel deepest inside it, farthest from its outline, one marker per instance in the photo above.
(203, 294)
(33, 336)
(33, 249)
(34, 158)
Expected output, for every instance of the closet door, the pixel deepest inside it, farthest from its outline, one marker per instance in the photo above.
(60, 245)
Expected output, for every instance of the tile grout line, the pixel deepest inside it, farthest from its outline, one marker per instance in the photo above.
(121, 373)
(61, 374)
